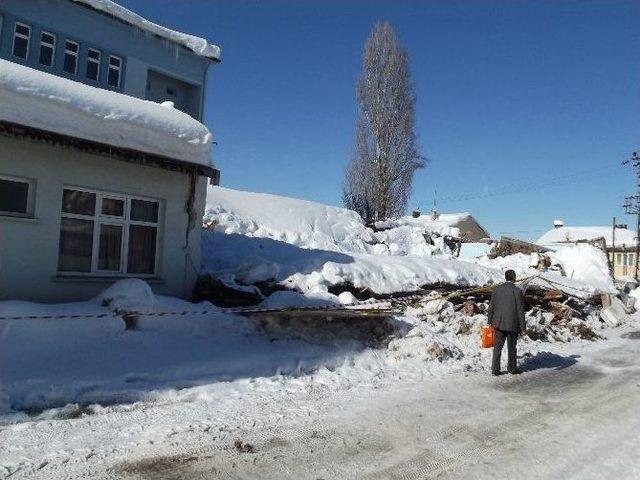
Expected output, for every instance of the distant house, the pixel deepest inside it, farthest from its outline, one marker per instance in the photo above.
(621, 251)
(459, 225)
(98, 180)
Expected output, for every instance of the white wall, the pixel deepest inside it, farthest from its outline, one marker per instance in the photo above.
(29, 247)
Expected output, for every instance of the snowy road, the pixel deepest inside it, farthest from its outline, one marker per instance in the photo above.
(575, 413)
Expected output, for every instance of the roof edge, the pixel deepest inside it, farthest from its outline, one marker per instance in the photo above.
(210, 51)
(16, 130)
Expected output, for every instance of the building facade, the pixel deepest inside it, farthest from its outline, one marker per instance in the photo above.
(86, 196)
(76, 41)
(619, 243)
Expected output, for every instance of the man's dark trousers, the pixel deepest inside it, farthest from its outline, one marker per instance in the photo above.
(498, 343)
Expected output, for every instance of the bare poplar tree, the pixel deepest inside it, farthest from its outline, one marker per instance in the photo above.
(380, 173)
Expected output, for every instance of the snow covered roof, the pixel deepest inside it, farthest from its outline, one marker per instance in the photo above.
(197, 45)
(572, 234)
(40, 100)
(454, 224)
(303, 223)
(443, 219)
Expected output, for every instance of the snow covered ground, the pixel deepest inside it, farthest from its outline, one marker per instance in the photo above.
(171, 400)
(84, 396)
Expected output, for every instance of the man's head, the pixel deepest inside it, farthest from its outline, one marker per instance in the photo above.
(510, 276)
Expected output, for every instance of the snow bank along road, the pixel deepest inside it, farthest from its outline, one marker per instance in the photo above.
(574, 413)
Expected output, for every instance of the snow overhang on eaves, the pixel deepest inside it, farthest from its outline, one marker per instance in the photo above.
(47, 102)
(197, 45)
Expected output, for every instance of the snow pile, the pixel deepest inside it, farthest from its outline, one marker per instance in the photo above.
(585, 268)
(246, 260)
(310, 247)
(410, 240)
(314, 225)
(197, 45)
(561, 235)
(47, 102)
(129, 295)
(444, 224)
(297, 222)
(585, 263)
(51, 362)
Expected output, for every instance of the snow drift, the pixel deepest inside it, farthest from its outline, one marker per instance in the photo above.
(298, 222)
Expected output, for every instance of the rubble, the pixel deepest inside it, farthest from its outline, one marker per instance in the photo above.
(244, 447)
(509, 246)
(614, 311)
(469, 308)
(439, 352)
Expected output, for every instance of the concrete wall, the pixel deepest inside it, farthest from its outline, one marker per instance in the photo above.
(29, 246)
(138, 49)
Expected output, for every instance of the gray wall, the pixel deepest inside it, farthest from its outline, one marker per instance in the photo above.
(29, 247)
(138, 49)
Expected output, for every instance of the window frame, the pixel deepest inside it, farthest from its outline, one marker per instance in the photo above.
(631, 259)
(118, 69)
(75, 54)
(52, 45)
(98, 62)
(30, 197)
(99, 219)
(21, 35)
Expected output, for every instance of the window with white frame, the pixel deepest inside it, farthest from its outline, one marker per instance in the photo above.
(21, 37)
(16, 196)
(115, 71)
(625, 259)
(71, 50)
(93, 64)
(47, 48)
(107, 233)
(631, 258)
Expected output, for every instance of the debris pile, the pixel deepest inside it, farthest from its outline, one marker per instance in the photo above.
(551, 316)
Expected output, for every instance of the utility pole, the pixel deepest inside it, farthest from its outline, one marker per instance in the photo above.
(632, 205)
(613, 234)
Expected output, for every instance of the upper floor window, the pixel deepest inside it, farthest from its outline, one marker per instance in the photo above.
(71, 49)
(16, 196)
(115, 71)
(47, 48)
(21, 36)
(93, 64)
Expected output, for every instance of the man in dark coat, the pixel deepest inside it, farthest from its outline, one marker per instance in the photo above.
(506, 315)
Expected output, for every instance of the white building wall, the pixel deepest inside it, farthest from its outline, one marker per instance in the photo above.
(29, 247)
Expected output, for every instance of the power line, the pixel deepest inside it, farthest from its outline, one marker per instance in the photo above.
(539, 184)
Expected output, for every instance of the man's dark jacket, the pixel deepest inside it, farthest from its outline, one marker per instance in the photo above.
(506, 310)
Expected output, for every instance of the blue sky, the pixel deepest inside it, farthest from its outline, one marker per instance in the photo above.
(525, 108)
